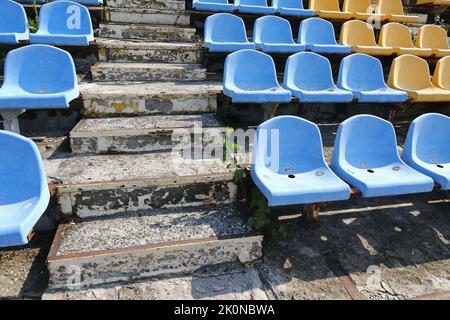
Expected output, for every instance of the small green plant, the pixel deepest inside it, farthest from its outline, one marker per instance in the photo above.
(238, 176)
(230, 147)
(34, 22)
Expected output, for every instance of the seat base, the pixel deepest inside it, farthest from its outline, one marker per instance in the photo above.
(373, 50)
(370, 16)
(228, 46)
(331, 95)
(317, 186)
(384, 95)
(431, 94)
(275, 95)
(331, 49)
(440, 53)
(13, 38)
(280, 47)
(335, 15)
(414, 51)
(61, 40)
(215, 7)
(295, 12)
(255, 9)
(402, 18)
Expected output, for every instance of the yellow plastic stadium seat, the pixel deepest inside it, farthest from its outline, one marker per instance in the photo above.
(412, 74)
(394, 11)
(435, 38)
(362, 10)
(360, 36)
(441, 77)
(398, 37)
(329, 9)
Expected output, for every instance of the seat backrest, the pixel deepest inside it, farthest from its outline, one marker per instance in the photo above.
(395, 35)
(13, 18)
(262, 3)
(225, 27)
(288, 145)
(361, 72)
(65, 17)
(356, 32)
(272, 29)
(316, 31)
(308, 71)
(360, 6)
(409, 72)
(327, 5)
(428, 139)
(389, 7)
(296, 4)
(432, 36)
(40, 69)
(250, 70)
(441, 77)
(365, 141)
(21, 173)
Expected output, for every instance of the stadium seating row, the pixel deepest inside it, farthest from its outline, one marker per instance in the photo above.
(443, 3)
(250, 77)
(36, 76)
(385, 10)
(64, 23)
(290, 169)
(274, 34)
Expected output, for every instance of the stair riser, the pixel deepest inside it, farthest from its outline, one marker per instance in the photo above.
(149, 56)
(176, 259)
(134, 74)
(147, 33)
(163, 104)
(148, 18)
(95, 201)
(153, 142)
(148, 4)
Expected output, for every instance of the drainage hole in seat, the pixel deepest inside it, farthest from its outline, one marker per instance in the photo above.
(370, 171)
(291, 176)
(440, 166)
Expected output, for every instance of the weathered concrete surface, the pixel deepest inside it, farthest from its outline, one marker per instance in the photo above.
(147, 32)
(147, 52)
(147, 16)
(23, 273)
(108, 184)
(176, 5)
(142, 98)
(108, 71)
(230, 281)
(152, 243)
(142, 134)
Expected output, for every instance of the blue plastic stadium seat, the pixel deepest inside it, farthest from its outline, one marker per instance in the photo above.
(213, 5)
(250, 77)
(38, 76)
(225, 32)
(289, 166)
(318, 36)
(13, 23)
(274, 34)
(363, 75)
(85, 2)
(310, 79)
(365, 156)
(291, 8)
(24, 194)
(64, 23)
(427, 147)
(253, 6)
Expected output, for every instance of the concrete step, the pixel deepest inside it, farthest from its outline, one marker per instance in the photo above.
(148, 244)
(177, 5)
(102, 99)
(110, 71)
(148, 16)
(149, 52)
(144, 134)
(105, 185)
(147, 32)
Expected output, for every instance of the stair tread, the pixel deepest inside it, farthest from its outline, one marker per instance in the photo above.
(147, 26)
(153, 227)
(86, 171)
(134, 65)
(128, 125)
(134, 88)
(142, 45)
